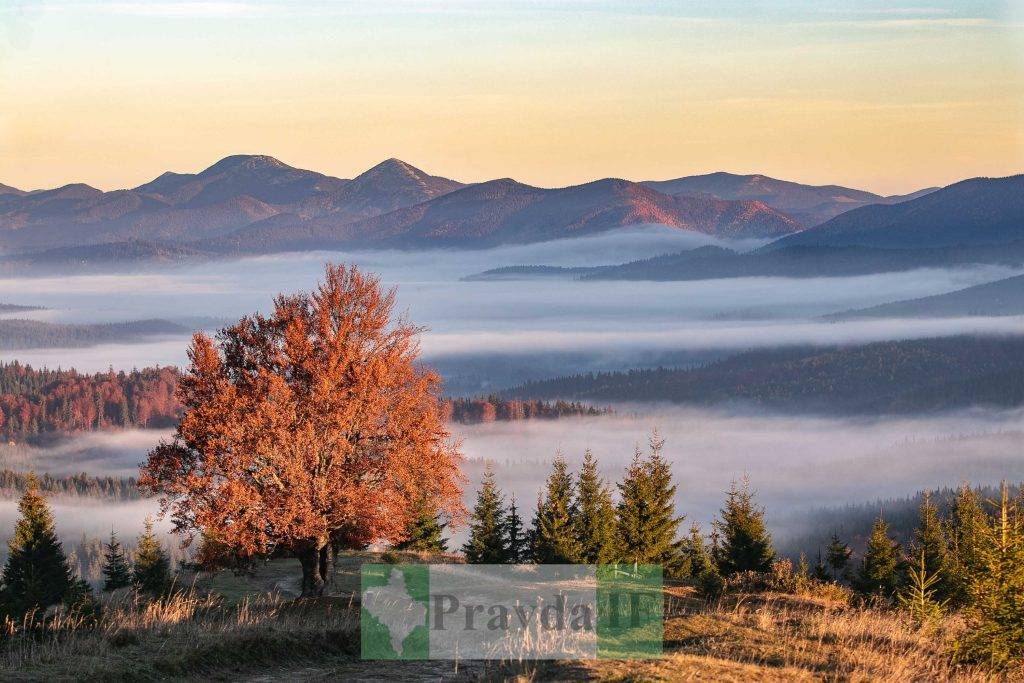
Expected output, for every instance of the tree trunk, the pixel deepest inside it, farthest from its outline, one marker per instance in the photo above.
(327, 564)
(312, 577)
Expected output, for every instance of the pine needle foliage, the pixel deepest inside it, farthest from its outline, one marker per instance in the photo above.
(117, 570)
(930, 542)
(37, 574)
(918, 597)
(486, 544)
(995, 614)
(595, 515)
(968, 527)
(877, 574)
(425, 531)
(515, 538)
(646, 519)
(746, 543)
(837, 554)
(152, 572)
(555, 538)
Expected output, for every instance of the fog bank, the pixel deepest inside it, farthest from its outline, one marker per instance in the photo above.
(794, 463)
(619, 319)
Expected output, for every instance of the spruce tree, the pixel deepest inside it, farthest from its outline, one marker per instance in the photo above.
(838, 556)
(647, 525)
(595, 519)
(37, 574)
(698, 557)
(555, 540)
(700, 565)
(746, 543)
(152, 572)
(486, 544)
(662, 523)
(967, 531)
(424, 531)
(820, 571)
(117, 571)
(515, 540)
(877, 575)
(930, 542)
(995, 612)
(631, 511)
(919, 597)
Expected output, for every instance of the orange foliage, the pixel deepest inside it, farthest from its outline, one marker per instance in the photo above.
(40, 403)
(307, 429)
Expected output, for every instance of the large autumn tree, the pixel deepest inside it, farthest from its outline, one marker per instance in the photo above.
(307, 430)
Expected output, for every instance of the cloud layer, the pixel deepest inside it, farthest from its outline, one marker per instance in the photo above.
(510, 317)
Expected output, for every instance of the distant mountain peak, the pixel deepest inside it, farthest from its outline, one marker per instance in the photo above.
(237, 162)
(69, 191)
(393, 162)
(7, 189)
(394, 168)
(393, 184)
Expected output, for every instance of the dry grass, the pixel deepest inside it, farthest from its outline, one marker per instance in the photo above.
(786, 637)
(264, 636)
(185, 636)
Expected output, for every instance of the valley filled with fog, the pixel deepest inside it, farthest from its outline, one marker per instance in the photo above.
(489, 335)
(796, 463)
(564, 325)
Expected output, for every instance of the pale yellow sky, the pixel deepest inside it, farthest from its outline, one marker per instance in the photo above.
(885, 98)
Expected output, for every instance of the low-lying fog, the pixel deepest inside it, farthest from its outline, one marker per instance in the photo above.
(794, 463)
(616, 320)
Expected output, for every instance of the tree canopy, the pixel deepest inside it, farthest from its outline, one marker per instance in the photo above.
(307, 429)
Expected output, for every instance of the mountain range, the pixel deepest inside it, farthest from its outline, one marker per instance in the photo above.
(255, 203)
(978, 221)
(979, 211)
(808, 204)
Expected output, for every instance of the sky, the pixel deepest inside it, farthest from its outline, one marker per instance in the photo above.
(889, 96)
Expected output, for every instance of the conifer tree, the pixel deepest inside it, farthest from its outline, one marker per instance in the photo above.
(555, 539)
(486, 544)
(701, 565)
(996, 609)
(631, 510)
(966, 557)
(877, 575)
(662, 524)
(930, 542)
(424, 531)
(152, 571)
(647, 525)
(838, 556)
(918, 597)
(515, 540)
(117, 571)
(746, 543)
(37, 574)
(820, 571)
(698, 556)
(595, 518)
